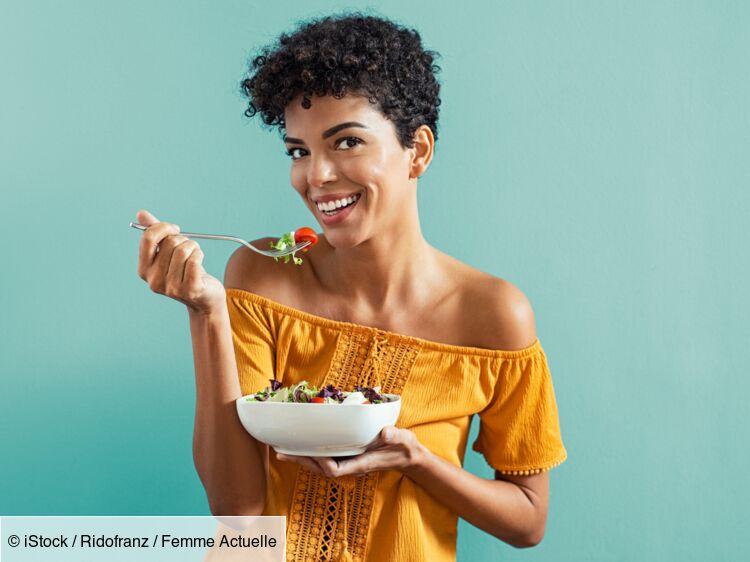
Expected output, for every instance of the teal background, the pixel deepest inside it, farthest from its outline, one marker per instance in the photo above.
(593, 153)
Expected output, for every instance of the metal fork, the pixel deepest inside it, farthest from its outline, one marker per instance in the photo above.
(269, 253)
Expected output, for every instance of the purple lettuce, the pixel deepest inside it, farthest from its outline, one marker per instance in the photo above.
(265, 394)
(331, 391)
(370, 394)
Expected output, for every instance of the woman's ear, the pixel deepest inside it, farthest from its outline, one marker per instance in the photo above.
(424, 145)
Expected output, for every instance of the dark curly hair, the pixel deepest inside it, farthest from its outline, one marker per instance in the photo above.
(348, 54)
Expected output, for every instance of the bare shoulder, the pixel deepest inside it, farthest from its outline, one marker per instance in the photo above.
(503, 316)
(250, 271)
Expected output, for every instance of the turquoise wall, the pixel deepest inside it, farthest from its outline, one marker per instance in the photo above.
(590, 152)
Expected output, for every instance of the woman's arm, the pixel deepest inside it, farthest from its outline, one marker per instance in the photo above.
(513, 509)
(231, 464)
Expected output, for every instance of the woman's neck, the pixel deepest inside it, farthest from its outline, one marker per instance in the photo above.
(383, 273)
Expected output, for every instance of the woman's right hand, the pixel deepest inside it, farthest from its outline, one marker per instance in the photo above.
(172, 266)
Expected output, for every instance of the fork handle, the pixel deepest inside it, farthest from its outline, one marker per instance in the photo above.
(272, 254)
(196, 235)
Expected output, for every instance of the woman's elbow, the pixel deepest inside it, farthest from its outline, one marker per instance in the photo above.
(530, 540)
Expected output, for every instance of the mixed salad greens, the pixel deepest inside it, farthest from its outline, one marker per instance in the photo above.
(304, 234)
(302, 393)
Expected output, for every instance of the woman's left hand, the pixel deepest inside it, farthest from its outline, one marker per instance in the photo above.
(394, 449)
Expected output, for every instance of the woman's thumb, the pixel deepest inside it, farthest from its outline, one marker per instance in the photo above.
(145, 218)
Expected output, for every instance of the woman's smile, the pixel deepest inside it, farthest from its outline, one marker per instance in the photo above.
(335, 209)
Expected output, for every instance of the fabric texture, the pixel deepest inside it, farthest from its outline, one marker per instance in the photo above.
(385, 516)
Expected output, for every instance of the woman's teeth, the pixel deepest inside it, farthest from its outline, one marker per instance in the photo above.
(333, 207)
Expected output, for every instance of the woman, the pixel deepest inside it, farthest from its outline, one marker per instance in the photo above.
(373, 303)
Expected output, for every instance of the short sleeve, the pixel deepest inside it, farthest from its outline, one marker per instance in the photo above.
(254, 343)
(519, 431)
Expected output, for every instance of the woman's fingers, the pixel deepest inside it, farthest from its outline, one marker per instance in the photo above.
(331, 467)
(145, 218)
(307, 462)
(160, 267)
(151, 240)
(192, 277)
(176, 268)
(172, 265)
(320, 465)
(387, 435)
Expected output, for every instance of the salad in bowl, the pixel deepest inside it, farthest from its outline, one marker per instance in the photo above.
(303, 393)
(302, 419)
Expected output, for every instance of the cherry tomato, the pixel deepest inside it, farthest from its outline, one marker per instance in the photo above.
(305, 234)
(366, 402)
(318, 400)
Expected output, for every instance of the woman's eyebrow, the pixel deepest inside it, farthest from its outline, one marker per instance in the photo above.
(329, 132)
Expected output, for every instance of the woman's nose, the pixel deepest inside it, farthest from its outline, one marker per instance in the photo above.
(321, 171)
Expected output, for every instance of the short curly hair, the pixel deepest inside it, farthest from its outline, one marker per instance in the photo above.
(344, 54)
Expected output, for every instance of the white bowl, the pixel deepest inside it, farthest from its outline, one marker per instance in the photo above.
(317, 430)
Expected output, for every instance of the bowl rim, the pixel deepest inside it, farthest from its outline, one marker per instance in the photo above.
(243, 400)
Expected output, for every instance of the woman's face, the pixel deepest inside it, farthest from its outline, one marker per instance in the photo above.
(349, 168)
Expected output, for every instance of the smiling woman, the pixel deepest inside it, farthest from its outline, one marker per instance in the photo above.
(357, 99)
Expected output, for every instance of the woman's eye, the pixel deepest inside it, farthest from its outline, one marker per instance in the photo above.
(348, 142)
(294, 154)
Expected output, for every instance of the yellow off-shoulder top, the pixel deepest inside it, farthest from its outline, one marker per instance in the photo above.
(385, 516)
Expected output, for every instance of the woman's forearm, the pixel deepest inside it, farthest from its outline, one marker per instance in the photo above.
(499, 508)
(230, 462)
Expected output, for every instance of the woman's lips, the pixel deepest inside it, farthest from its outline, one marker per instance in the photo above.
(340, 216)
